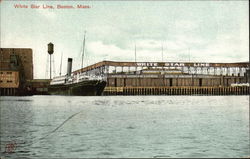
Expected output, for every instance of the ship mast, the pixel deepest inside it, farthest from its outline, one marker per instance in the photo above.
(83, 48)
(61, 65)
(135, 52)
(189, 54)
(161, 52)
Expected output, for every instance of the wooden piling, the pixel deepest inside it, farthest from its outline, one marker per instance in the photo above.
(164, 91)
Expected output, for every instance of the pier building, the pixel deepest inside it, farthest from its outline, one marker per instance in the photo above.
(143, 78)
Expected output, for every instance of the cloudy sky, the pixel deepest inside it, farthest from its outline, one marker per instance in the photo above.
(204, 31)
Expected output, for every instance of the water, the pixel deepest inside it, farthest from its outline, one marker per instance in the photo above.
(125, 126)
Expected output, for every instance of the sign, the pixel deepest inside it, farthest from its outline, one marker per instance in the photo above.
(171, 64)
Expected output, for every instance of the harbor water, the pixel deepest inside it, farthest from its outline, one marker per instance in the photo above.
(124, 126)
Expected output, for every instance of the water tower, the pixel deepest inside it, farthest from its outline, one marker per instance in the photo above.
(50, 51)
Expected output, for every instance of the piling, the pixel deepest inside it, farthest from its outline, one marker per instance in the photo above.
(243, 90)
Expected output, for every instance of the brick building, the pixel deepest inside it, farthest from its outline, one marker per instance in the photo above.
(9, 79)
(26, 60)
(16, 67)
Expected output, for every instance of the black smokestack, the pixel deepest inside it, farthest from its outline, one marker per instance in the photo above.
(69, 69)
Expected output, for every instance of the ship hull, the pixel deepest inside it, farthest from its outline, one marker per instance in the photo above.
(84, 88)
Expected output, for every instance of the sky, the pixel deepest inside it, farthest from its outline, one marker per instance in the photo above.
(199, 31)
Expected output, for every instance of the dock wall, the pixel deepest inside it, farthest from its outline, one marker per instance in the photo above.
(9, 91)
(243, 90)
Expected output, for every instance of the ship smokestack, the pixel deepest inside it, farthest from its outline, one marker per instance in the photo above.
(69, 68)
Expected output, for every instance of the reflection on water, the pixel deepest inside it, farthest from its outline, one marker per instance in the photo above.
(125, 126)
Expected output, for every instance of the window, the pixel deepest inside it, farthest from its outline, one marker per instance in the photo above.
(9, 81)
(9, 72)
(1, 72)
(1, 81)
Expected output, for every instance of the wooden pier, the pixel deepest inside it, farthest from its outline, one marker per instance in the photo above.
(171, 78)
(8, 91)
(243, 90)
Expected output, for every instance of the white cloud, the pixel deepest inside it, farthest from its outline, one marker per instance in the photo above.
(149, 44)
(48, 13)
(186, 25)
(107, 51)
(147, 50)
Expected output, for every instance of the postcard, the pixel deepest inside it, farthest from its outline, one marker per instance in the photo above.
(124, 79)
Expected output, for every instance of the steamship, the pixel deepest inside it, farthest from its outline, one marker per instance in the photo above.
(77, 84)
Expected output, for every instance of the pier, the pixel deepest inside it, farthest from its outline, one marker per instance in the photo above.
(171, 78)
(177, 91)
(8, 91)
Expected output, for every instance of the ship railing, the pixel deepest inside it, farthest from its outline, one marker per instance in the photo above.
(57, 83)
(99, 78)
(90, 77)
(57, 80)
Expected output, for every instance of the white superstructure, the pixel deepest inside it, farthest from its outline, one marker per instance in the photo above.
(61, 80)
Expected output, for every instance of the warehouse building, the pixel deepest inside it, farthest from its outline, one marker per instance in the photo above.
(16, 67)
(137, 78)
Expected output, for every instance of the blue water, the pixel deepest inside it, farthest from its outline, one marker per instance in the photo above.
(125, 126)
